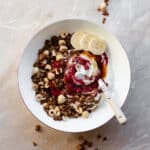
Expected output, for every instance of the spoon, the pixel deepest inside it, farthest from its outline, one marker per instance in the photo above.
(115, 108)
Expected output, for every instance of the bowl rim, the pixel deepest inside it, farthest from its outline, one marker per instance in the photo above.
(23, 53)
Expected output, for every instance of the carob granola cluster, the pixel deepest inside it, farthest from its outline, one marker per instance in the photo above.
(49, 85)
(103, 9)
(86, 144)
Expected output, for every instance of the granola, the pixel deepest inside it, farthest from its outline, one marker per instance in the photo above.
(60, 86)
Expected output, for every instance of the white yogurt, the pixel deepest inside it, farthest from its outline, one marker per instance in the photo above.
(87, 75)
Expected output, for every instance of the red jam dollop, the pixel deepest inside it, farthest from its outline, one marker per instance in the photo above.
(71, 82)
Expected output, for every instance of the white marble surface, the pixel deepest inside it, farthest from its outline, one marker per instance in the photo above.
(129, 20)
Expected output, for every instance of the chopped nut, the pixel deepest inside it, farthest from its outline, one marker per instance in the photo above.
(45, 105)
(50, 107)
(56, 72)
(63, 35)
(44, 62)
(61, 70)
(37, 128)
(57, 111)
(63, 48)
(50, 75)
(79, 110)
(41, 83)
(103, 6)
(45, 80)
(41, 86)
(39, 97)
(53, 52)
(35, 70)
(61, 99)
(85, 114)
(59, 56)
(41, 57)
(46, 52)
(51, 112)
(34, 86)
(46, 85)
(42, 71)
(82, 98)
(57, 108)
(61, 42)
(48, 67)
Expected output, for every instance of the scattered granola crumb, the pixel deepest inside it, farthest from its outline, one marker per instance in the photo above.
(106, 1)
(99, 9)
(103, 20)
(85, 144)
(99, 136)
(34, 143)
(37, 128)
(80, 147)
(89, 144)
(105, 13)
(103, 9)
(104, 138)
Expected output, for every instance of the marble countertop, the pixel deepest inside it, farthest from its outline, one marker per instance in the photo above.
(129, 20)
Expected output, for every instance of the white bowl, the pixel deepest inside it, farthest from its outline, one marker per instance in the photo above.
(118, 75)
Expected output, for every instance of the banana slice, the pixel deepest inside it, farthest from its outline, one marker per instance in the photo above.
(85, 40)
(97, 46)
(76, 38)
(88, 42)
